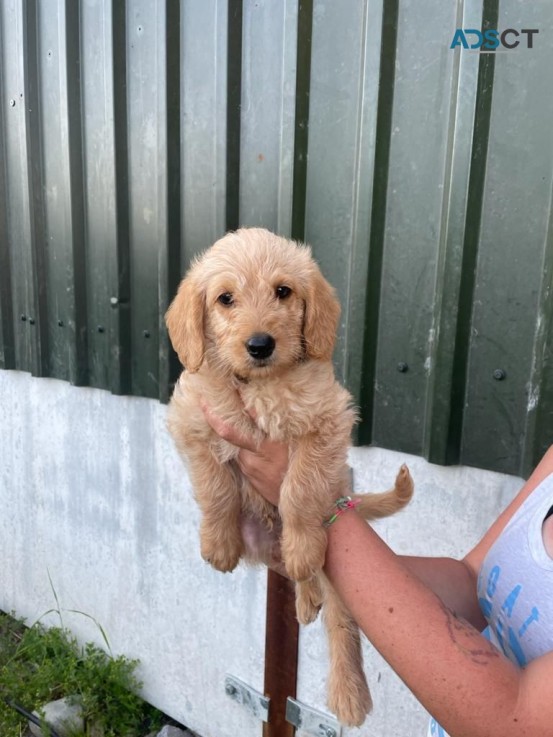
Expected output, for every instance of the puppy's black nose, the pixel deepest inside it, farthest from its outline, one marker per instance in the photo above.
(260, 345)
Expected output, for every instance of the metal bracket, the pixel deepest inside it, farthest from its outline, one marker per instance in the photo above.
(256, 703)
(310, 720)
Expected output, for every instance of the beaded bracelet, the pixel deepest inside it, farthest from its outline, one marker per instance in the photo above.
(342, 505)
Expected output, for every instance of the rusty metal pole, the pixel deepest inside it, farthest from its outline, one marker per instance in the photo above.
(281, 653)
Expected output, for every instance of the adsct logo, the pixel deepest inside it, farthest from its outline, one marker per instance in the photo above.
(491, 40)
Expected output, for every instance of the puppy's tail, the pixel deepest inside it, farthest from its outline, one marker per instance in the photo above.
(374, 506)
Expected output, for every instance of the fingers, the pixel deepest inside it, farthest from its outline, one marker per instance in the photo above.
(228, 432)
(268, 461)
(265, 469)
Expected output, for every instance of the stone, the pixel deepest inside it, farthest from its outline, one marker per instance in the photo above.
(170, 731)
(63, 715)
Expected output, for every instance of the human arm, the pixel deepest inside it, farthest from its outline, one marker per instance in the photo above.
(471, 689)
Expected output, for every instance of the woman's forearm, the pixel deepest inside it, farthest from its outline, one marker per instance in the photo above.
(457, 675)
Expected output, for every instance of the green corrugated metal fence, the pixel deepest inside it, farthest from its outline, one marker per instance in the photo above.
(133, 133)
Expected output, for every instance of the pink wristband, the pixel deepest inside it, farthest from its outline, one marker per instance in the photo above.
(342, 505)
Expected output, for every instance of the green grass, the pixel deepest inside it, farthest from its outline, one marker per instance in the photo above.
(39, 664)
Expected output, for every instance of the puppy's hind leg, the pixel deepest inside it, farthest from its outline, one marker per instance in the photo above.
(348, 693)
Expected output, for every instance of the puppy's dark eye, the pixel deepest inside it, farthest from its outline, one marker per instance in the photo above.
(283, 291)
(226, 299)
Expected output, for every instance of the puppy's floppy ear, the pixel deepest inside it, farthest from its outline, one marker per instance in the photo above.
(185, 323)
(322, 311)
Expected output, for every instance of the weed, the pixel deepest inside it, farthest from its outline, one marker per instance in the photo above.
(39, 664)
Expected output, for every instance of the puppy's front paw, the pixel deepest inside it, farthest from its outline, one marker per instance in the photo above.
(222, 560)
(223, 553)
(303, 552)
(349, 698)
(308, 600)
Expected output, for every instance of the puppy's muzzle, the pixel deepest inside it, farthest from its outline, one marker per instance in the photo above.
(260, 345)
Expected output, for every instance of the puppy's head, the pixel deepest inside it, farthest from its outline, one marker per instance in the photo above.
(255, 303)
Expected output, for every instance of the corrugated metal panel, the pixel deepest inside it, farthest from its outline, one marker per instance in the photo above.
(133, 134)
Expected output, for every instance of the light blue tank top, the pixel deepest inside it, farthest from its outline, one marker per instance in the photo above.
(515, 586)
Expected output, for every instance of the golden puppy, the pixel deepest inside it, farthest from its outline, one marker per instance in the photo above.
(254, 325)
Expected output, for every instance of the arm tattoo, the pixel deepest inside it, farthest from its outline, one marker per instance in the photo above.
(468, 640)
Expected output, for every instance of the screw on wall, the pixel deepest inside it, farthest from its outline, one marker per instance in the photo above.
(230, 690)
(499, 375)
(402, 367)
(118, 301)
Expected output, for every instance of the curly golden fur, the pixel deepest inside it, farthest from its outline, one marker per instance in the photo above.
(254, 325)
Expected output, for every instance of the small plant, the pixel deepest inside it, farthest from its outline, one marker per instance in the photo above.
(39, 664)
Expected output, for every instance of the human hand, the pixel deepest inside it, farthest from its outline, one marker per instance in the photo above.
(264, 465)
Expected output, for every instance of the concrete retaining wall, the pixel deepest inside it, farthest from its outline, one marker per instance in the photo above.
(94, 498)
